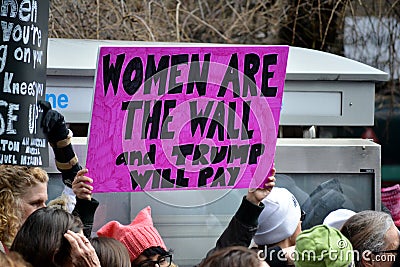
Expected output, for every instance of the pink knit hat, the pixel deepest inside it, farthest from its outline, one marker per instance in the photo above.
(137, 236)
(391, 199)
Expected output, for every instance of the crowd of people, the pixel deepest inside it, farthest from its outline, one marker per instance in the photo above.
(266, 229)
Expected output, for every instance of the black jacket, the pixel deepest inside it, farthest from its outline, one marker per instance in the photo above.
(85, 210)
(241, 230)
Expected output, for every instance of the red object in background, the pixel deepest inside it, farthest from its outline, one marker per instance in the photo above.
(370, 134)
(391, 199)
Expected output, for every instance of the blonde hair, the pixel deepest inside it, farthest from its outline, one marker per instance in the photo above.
(13, 259)
(14, 183)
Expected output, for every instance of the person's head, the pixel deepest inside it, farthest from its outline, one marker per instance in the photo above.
(374, 236)
(323, 246)
(141, 238)
(235, 256)
(13, 259)
(41, 240)
(111, 252)
(338, 217)
(153, 255)
(280, 220)
(22, 191)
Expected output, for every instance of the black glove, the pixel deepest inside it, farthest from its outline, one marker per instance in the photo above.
(59, 137)
(53, 123)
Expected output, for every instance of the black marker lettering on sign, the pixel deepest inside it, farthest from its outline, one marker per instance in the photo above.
(131, 106)
(199, 118)
(122, 159)
(150, 156)
(231, 77)
(256, 151)
(135, 69)
(140, 179)
(169, 69)
(158, 74)
(218, 154)
(220, 178)
(266, 90)
(181, 180)
(212, 119)
(232, 132)
(198, 77)
(182, 151)
(234, 174)
(153, 119)
(251, 67)
(23, 59)
(160, 178)
(204, 174)
(137, 158)
(167, 181)
(112, 73)
(217, 122)
(221, 121)
(151, 116)
(199, 154)
(165, 133)
(238, 152)
(203, 154)
(246, 133)
(175, 87)
(155, 183)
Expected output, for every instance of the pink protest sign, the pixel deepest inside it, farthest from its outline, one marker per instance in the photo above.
(185, 118)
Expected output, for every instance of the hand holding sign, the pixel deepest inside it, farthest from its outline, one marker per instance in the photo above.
(256, 195)
(81, 185)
